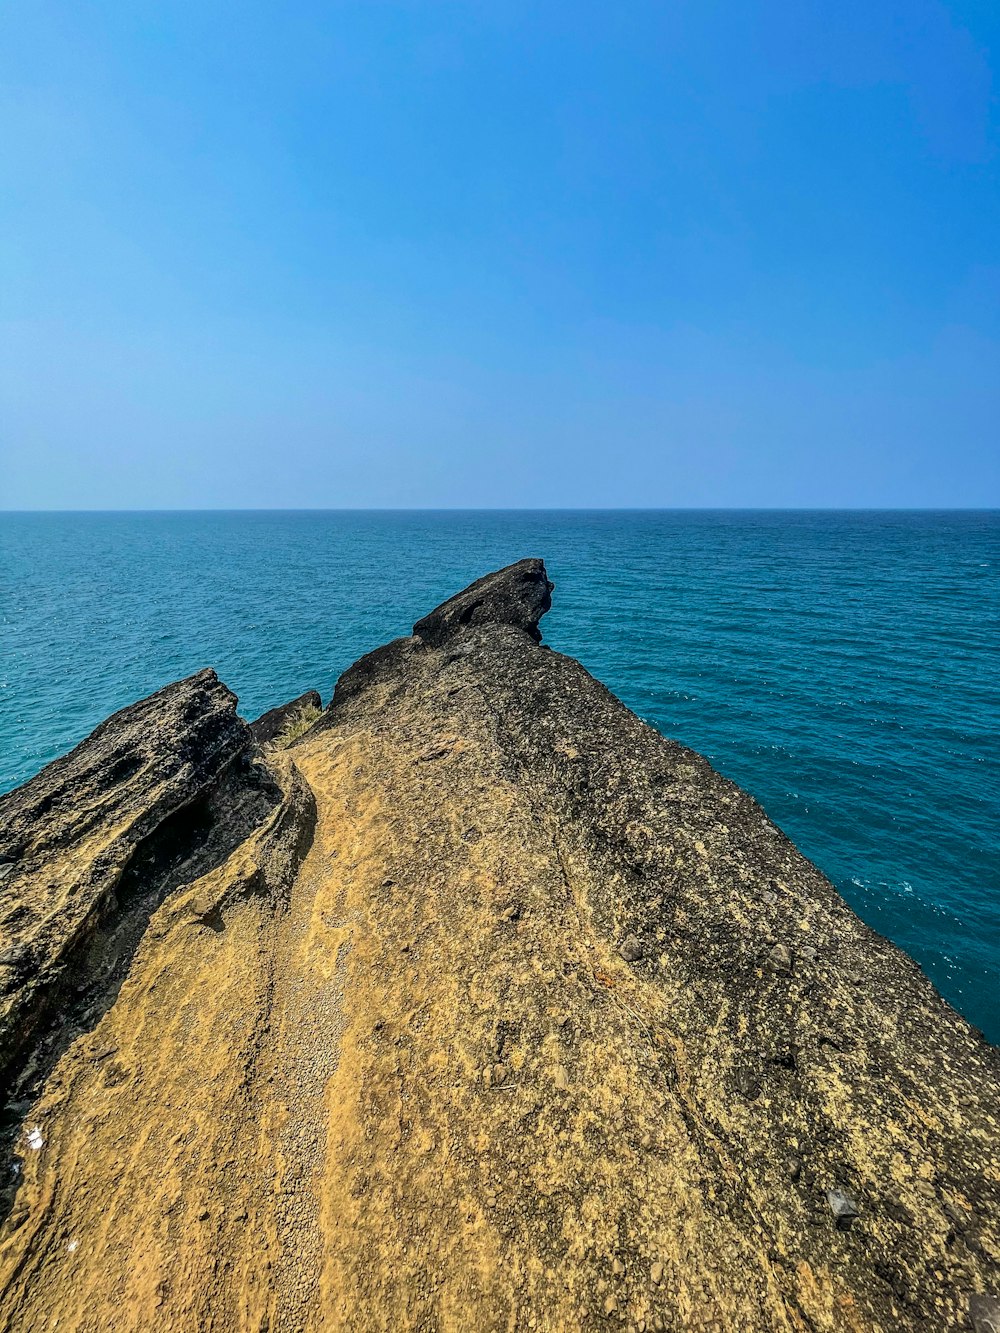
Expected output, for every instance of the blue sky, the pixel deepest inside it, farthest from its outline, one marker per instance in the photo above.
(474, 254)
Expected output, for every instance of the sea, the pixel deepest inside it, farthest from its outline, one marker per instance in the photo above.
(843, 667)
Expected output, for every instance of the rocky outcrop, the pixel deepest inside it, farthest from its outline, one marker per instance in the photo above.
(72, 840)
(508, 1013)
(517, 596)
(271, 724)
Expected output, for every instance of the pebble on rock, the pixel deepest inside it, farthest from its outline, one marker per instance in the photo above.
(780, 958)
(843, 1207)
(631, 949)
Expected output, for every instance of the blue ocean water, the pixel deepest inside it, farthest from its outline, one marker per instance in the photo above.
(843, 667)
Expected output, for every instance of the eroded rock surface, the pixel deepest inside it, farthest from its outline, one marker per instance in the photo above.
(518, 596)
(69, 836)
(505, 1013)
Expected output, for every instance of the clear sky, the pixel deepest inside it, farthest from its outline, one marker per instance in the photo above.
(518, 254)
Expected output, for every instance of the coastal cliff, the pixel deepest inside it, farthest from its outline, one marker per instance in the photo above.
(480, 1005)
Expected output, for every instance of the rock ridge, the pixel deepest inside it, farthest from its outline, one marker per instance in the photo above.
(68, 836)
(483, 1005)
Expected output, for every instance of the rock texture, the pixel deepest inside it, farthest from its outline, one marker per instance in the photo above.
(517, 596)
(497, 1010)
(69, 837)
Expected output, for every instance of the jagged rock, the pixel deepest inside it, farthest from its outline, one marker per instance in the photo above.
(71, 832)
(271, 724)
(320, 1074)
(518, 595)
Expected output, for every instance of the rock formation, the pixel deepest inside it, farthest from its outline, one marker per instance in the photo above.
(77, 842)
(483, 1006)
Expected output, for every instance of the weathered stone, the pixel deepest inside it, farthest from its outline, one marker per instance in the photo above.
(518, 595)
(303, 1049)
(632, 949)
(70, 833)
(843, 1207)
(780, 958)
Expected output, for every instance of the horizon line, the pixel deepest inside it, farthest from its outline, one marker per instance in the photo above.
(530, 509)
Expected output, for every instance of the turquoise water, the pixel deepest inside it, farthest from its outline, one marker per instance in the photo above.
(843, 667)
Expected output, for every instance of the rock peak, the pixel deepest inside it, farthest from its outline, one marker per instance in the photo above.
(518, 594)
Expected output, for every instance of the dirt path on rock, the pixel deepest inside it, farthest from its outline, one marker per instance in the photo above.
(305, 1051)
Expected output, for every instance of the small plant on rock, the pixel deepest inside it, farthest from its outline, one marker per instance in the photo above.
(297, 725)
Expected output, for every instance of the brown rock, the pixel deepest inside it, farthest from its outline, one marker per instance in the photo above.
(278, 1054)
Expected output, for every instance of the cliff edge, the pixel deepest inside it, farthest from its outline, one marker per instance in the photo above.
(481, 1006)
